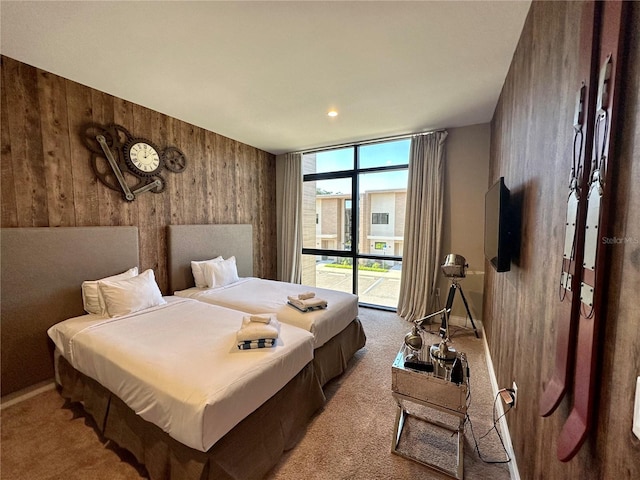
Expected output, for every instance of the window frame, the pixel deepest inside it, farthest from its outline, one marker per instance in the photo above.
(354, 174)
(381, 217)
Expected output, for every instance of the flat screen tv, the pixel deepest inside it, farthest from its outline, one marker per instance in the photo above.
(497, 227)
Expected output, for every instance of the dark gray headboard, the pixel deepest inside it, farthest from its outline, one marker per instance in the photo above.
(202, 242)
(42, 273)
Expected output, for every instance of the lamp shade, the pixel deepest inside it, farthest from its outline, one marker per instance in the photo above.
(454, 266)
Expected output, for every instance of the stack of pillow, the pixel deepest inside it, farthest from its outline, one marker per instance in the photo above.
(216, 272)
(121, 294)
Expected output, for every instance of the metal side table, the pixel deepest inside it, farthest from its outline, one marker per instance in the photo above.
(434, 390)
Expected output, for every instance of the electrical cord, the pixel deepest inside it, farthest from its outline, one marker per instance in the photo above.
(495, 420)
(494, 427)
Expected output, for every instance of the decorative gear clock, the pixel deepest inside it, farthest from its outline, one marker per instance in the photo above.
(129, 164)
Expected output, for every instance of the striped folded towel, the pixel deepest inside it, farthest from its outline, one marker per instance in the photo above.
(307, 305)
(261, 343)
(254, 331)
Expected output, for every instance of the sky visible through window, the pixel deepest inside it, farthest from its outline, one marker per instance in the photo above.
(374, 155)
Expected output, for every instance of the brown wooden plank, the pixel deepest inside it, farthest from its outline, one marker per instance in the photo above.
(197, 178)
(158, 133)
(217, 178)
(21, 86)
(85, 183)
(230, 155)
(8, 191)
(52, 97)
(207, 173)
(175, 184)
(190, 175)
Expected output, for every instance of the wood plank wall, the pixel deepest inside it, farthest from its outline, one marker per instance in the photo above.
(47, 179)
(531, 148)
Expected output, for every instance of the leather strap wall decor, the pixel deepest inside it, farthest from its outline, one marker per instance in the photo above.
(597, 228)
(569, 284)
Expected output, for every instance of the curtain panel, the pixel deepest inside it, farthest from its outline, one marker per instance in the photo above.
(290, 218)
(423, 226)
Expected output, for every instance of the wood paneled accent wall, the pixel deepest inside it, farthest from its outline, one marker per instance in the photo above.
(47, 180)
(531, 147)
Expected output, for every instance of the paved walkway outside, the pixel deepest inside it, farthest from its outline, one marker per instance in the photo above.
(378, 288)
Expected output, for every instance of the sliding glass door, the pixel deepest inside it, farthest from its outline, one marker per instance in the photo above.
(353, 219)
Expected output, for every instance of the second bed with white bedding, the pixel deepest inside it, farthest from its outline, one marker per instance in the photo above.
(256, 295)
(178, 366)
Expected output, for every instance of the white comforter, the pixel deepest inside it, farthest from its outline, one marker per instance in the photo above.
(177, 365)
(256, 295)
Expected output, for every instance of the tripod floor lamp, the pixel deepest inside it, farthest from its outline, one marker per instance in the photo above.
(454, 267)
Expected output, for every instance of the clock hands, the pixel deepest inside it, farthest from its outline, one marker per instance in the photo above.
(114, 166)
(149, 186)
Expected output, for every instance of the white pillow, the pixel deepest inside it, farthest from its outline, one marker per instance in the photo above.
(130, 295)
(91, 296)
(198, 272)
(219, 274)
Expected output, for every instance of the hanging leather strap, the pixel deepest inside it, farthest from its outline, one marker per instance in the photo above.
(568, 310)
(597, 228)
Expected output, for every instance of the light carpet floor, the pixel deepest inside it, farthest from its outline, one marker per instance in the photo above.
(44, 438)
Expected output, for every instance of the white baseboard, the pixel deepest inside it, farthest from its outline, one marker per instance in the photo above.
(459, 321)
(506, 436)
(24, 394)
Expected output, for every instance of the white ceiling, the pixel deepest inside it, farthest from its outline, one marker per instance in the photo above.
(266, 73)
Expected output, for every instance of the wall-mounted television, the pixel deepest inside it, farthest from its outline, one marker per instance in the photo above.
(497, 227)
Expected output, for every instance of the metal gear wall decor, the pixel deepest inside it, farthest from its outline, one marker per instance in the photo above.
(129, 164)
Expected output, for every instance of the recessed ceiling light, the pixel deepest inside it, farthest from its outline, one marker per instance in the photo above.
(332, 113)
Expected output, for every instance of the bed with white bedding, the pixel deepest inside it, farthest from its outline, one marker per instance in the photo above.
(166, 407)
(257, 295)
(177, 365)
(337, 331)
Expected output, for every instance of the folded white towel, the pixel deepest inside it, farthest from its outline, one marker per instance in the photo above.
(257, 330)
(306, 295)
(262, 317)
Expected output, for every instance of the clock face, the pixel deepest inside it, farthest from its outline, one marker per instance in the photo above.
(143, 158)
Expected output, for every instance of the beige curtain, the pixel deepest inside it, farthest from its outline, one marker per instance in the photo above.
(289, 216)
(423, 226)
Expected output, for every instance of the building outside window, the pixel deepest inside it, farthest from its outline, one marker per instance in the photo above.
(353, 219)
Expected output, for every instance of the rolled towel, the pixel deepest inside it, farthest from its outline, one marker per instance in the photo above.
(250, 331)
(306, 295)
(262, 317)
(261, 343)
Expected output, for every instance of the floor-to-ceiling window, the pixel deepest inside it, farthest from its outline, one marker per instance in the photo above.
(353, 219)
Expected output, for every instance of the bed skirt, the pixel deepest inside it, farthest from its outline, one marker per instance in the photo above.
(330, 360)
(248, 451)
